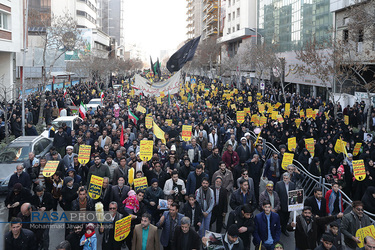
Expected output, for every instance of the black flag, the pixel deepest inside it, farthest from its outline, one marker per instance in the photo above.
(186, 53)
(158, 71)
(152, 66)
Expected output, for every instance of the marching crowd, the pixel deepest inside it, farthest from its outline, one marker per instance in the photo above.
(219, 181)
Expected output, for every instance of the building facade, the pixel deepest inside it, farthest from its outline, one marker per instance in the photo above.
(11, 37)
(194, 18)
(210, 19)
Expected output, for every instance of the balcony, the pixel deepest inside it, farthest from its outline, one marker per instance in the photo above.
(211, 19)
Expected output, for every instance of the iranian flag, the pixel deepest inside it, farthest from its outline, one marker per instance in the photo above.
(133, 117)
(65, 92)
(177, 106)
(101, 96)
(82, 110)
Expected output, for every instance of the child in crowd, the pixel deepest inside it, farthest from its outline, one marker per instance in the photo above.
(88, 240)
(131, 203)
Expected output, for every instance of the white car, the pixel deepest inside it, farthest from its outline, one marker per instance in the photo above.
(69, 120)
(94, 104)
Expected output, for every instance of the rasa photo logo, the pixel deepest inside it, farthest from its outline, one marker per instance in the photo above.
(71, 217)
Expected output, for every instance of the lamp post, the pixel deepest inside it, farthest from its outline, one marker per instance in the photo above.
(26, 15)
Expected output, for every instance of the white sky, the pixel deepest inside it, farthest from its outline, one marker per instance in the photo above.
(155, 24)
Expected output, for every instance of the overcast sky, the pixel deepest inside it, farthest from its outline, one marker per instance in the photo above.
(155, 24)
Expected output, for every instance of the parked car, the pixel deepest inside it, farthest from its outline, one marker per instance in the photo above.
(69, 120)
(94, 104)
(17, 152)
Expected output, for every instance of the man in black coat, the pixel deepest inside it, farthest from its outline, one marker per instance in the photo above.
(243, 196)
(213, 162)
(19, 177)
(255, 172)
(68, 193)
(83, 199)
(15, 198)
(282, 188)
(151, 199)
(105, 196)
(317, 203)
(245, 222)
(42, 200)
(119, 194)
(60, 141)
(185, 237)
(109, 241)
(243, 151)
(221, 204)
(191, 208)
(19, 238)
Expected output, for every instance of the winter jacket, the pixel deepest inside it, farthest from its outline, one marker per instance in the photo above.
(164, 239)
(187, 210)
(90, 206)
(227, 179)
(212, 164)
(25, 241)
(153, 195)
(261, 228)
(330, 200)
(349, 227)
(265, 197)
(24, 179)
(192, 182)
(101, 171)
(231, 159)
(236, 217)
(237, 200)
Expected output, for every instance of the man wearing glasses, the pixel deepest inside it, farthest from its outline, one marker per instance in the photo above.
(369, 243)
(353, 221)
(108, 230)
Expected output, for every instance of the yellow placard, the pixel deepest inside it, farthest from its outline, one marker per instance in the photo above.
(277, 105)
(158, 99)
(233, 106)
(346, 119)
(190, 105)
(158, 132)
(287, 160)
(250, 99)
(339, 146)
(359, 170)
(261, 107)
(50, 168)
(310, 146)
(149, 122)
(280, 118)
(356, 149)
(131, 176)
(309, 113)
(186, 132)
(263, 120)
(162, 95)
(122, 228)
(301, 114)
(240, 116)
(326, 114)
(247, 110)
(146, 150)
(363, 232)
(298, 122)
(240, 99)
(292, 143)
(274, 115)
(84, 154)
(140, 183)
(287, 109)
(169, 121)
(141, 109)
(257, 121)
(127, 102)
(209, 105)
(95, 187)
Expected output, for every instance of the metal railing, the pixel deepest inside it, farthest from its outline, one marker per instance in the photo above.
(309, 181)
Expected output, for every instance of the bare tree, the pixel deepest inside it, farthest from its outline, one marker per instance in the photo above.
(4, 92)
(58, 34)
(206, 56)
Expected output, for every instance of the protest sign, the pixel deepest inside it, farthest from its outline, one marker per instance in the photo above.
(186, 132)
(140, 183)
(95, 187)
(122, 228)
(292, 143)
(50, 168)
(359, 170)
(287, 160)
(146, 150)
(240, 116)
(84, 154)
(295, 200)
(363, 232)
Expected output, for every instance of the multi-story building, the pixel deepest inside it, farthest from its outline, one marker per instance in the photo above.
(194, 18)
(11, 37)
(210, 19)
(289, 25)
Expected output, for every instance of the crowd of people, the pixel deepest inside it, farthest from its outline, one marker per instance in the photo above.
(219, 181)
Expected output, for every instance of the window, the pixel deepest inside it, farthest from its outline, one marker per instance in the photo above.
(228, 30)
(234, 15)
(4, 21)
(233, 30)
(238, 27)
(238, 12)
(345, 35)
(360, 36)
(229, 17)
(228, 3)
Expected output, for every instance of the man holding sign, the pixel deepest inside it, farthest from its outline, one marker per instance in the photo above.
(353, 221)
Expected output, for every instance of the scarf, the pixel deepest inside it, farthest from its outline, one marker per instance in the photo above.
(205, 197)
(275, 168)
(89, 235)
(331, 201)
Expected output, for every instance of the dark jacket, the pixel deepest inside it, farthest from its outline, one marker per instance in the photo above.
(283, 195)
(22, 197)
(90, 206)
(222, 207)
(236, 217)
(237, 200)
(60, 140)
(25, 241)
(193, 240)
(311, 202)
(68, 196)
(46, 201)
(349, 228)
(119, 197)
(321, 247)
(162, 177)
(212, 164)
(101, 171)
(153, 195)
(308, 240)
(192, 182)
(243, 153)
(261, 228)
(187, 210)
(31, 131)
(24, 179)
(109, 232)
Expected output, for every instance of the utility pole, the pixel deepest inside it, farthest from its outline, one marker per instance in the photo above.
(26, 15)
